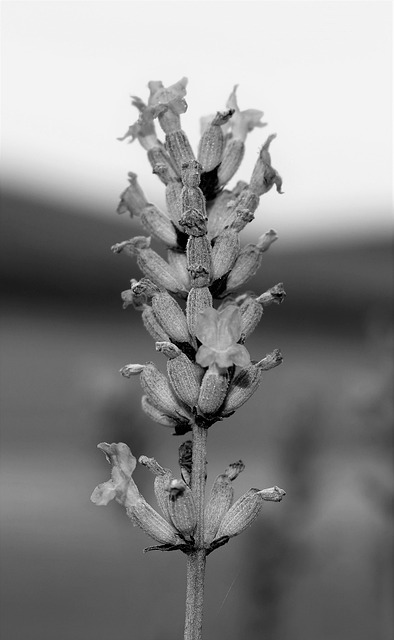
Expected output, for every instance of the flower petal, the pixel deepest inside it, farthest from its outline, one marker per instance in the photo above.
(229, 327)
(223, 359)
(205, 356)
(103, 494)
(239, 355)
(207, 327)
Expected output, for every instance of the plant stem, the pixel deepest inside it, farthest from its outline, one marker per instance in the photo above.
(196, 559)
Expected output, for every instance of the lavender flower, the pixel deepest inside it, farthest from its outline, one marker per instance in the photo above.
(191, 306)
(219, 332)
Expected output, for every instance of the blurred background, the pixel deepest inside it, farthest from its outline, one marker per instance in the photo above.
(317, 566)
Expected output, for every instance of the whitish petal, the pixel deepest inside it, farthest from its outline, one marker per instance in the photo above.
(229, 327)
(239, 355)
(206, 356)
(119, 455)
(104, 493)
(232, 100)
(252, 118)
(207, 327)
(223, 359)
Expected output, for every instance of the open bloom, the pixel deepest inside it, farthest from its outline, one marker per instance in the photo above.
(219, 332)
(245, 121)
(121, 486)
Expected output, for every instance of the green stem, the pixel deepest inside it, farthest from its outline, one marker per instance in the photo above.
(196, 559)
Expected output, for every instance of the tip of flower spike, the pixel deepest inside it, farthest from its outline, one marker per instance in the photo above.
(273, 494)
(144, 287)
(271, 360)
(264, 242)
(152, 465)
(131, 370)
(133, 245)
(169, 349)
(275, 294)
(234, 469)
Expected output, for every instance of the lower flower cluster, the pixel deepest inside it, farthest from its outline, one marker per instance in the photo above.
(174, 529)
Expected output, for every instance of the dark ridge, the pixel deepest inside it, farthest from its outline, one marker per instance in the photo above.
(181, 238)
(219, 286)
(209, 184)
(53, 252)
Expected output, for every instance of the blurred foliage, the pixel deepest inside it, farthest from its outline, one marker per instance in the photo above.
(317, 566)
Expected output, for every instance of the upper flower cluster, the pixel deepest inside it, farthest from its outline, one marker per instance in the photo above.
(210, 373)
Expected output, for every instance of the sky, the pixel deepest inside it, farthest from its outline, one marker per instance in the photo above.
(320, 71)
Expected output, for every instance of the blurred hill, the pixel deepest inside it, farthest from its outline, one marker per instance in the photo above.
(50, 249)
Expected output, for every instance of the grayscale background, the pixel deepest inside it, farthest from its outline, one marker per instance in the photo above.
(317, 566)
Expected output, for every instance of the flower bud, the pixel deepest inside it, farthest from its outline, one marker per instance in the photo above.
(132, 199)
(232, 157)
(275, 294)
(173, 201)
(162, 480)
(273, 494)
(184, 375)
(241, 218)
(246, 382)
(199, 298)
(213, 390)
(211, 144)
(241, 515)
(271, 360)
(224, 253)
(198, 254)
(241, 388)
(147, 519)
(167, 311)
(152, 325)
(181, 508)
(157, 388)
(178, 147)
(249, 260)
(264, 176)
(221, 213)
(162, 418)
(246, 265)
(246, 199)
(251, 308)
(158, 157)
(265, 241)
(220, 500)
(251, 312)
(159, 225)
(151, 264)
(178, 263)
